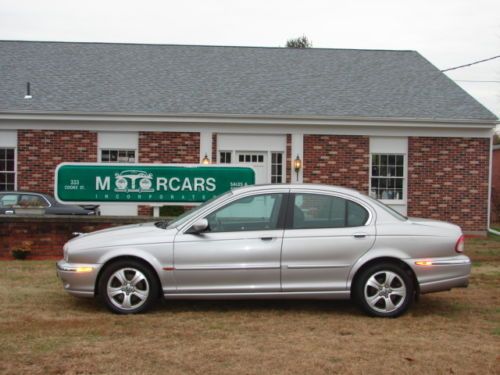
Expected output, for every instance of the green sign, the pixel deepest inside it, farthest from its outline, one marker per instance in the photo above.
(148, 183)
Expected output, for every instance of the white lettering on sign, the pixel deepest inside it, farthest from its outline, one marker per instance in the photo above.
(211, 184)
(161, 184)
(186, 185)
(172, 186)
(102, 185)
(199, 184)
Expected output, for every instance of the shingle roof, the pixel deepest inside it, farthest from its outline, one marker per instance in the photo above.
(162, 79)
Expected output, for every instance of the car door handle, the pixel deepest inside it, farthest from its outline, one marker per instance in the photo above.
(266, 238)
(359, 235)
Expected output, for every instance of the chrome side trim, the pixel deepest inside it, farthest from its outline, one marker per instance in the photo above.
(343, 294)
(451, 262)
(228, 267)
(313, 266)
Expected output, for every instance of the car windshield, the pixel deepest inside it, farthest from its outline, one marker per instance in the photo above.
(186, 216)
(388, 209)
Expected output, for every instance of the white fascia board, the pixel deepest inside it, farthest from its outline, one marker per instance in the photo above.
(258, 126)
(210, 118)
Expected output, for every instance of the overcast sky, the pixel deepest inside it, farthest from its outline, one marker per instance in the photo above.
(447, 32)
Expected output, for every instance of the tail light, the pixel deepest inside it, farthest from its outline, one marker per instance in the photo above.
(460, 245)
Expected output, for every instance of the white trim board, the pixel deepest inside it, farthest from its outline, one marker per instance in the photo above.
(118, 140)
(235, 118)
(8, 138)
(251, 142)
(381, 129)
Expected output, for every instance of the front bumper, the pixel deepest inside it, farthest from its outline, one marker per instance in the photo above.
(439, 274)
(78, 279)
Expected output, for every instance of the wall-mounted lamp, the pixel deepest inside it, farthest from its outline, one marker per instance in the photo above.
(205, 160)
(297, 166)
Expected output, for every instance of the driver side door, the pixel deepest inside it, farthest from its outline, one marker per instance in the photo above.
(238, 253)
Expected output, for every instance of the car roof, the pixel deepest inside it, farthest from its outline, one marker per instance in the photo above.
(24, 192)
(319, 187)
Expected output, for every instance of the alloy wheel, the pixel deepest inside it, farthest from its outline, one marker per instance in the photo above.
(385, 291)
(128, 289)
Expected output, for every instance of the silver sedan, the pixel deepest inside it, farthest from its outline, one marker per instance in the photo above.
(271, 241)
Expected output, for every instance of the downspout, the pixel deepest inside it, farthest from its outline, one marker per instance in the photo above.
(490, 177)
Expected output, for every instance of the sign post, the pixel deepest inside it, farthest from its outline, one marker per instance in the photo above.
(83, 183)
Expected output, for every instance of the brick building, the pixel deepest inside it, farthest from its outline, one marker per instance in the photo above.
(387, 123)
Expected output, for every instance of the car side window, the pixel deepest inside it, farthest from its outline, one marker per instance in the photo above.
(28, 200)
(259, 212)
(8, 200)
(314, 211)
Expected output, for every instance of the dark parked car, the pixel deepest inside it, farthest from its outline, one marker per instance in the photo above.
(12, 202)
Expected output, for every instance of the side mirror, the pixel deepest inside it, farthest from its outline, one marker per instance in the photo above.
(198, 227)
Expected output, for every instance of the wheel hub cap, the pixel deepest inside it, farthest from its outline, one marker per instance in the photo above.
(128, 288)
(385, 291)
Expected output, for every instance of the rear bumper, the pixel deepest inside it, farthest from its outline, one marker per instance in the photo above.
(78, 279)
(438, 286)
(439, 274)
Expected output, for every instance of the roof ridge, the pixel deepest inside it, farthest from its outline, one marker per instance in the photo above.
(206, 45)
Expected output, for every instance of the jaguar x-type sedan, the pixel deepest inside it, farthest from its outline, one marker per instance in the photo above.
(271, 241)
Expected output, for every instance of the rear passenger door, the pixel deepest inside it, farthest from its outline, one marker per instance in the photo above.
(324, 235)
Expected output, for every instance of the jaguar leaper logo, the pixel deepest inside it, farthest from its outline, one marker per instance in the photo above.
(133, 181)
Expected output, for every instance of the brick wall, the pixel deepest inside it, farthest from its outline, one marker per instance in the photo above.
(448, 180)
(337, 160)
(46, 236)
(170, 148)
(40, 151)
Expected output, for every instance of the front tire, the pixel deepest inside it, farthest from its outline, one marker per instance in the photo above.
(384, 290)
(128, 287)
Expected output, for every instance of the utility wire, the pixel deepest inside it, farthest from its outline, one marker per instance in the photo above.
(472, 63)
(471, 80)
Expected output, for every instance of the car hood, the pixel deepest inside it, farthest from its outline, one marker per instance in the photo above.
(135, 234)
(435, 223)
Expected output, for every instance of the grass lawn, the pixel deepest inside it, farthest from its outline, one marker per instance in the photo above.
(45, 331)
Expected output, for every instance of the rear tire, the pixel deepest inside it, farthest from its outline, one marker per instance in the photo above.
(128, 287)
(384, 290)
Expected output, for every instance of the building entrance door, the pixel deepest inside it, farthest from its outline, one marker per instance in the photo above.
(257, 160)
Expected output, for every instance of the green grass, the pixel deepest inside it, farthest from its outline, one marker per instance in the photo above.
(45, 331)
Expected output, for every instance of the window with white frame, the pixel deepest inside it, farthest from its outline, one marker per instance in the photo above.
(225, 157)
(117, 156)
(251, 157)
(7, 169)
(388, 176)
(276, 167)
